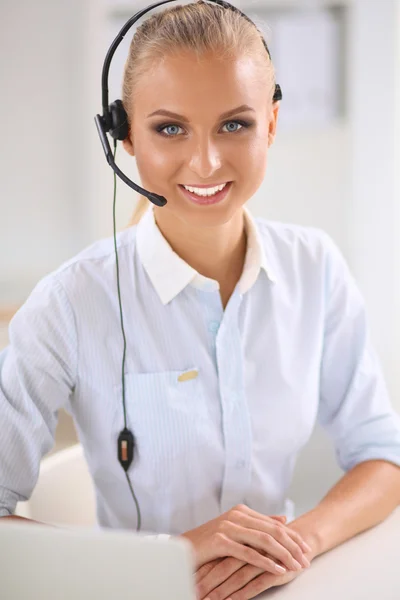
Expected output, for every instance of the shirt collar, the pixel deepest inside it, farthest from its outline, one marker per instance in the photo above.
(170, 274)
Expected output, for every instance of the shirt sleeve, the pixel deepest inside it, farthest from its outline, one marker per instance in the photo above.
(354, 406)
(37, 373)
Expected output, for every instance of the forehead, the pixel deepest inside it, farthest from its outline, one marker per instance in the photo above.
(184, 82)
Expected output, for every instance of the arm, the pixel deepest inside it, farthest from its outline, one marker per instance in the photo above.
(356, 412)
(16, 518)
(37, 375)
(363, 497)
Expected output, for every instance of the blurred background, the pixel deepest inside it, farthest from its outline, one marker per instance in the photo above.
(335, 163)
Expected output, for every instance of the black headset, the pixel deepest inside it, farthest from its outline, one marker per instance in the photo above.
(115, 121)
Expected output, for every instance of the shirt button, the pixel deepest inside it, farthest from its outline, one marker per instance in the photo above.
(213, 326)
(240, 464)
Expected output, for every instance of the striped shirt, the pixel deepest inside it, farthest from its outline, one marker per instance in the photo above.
(220, 401)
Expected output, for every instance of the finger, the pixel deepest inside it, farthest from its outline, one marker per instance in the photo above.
(296, 537)
(262, 536)
(253, 513)
(292, 541)
(230, 547)
(249, 511)
(219, 574)
(260, 584)
(206, 568)
(222, 582)
(274, 539)
(281, 518)
(293, 534)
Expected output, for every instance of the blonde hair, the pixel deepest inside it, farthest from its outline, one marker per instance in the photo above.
(200, 27)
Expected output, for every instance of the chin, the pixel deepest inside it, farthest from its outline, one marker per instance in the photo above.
(207, 216)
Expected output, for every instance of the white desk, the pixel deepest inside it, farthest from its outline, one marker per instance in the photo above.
(367, 567)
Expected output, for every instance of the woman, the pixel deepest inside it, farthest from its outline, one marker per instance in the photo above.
(240, 333)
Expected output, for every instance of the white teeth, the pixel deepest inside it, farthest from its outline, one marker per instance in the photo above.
(205, 191)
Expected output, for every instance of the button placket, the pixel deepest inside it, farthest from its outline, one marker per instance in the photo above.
(213, 326)
(213, 313)
(235, 415)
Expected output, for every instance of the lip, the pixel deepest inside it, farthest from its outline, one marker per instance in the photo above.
(207, 200)
(207, 185)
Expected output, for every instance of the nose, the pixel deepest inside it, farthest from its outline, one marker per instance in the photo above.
(205, 160)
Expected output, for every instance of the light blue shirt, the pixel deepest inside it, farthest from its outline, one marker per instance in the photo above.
(291, 347)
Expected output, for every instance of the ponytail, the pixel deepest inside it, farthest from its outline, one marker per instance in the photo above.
(140, 208)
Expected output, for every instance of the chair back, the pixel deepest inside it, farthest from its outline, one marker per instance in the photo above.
(64, 493)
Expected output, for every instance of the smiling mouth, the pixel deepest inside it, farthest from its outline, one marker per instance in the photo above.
(206, 200)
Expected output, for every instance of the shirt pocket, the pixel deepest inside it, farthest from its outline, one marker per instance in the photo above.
(165, 413)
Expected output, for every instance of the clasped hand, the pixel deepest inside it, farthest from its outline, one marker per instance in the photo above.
(242, 553)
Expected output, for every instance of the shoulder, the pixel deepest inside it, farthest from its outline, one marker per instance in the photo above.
(100, 254)
(300, 247)
(293, 239)
(96, 264)
(84, 275)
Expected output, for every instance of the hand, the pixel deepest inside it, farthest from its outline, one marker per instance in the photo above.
(232, 579)
(249, 536)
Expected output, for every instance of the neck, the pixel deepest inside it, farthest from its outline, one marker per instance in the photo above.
(215, 252)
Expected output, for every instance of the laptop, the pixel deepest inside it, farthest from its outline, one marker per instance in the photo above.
(47, 563)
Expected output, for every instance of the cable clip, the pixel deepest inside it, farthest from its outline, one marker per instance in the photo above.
(126, 444)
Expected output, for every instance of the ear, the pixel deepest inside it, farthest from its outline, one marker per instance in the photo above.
(273, 123)
(128, 145)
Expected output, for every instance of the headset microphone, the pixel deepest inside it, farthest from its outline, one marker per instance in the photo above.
(101, 128)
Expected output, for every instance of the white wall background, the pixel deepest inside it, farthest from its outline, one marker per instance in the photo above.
(56, 188)
(41, 47)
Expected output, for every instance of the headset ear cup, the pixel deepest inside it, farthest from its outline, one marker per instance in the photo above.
(277, 94)
(119, 128)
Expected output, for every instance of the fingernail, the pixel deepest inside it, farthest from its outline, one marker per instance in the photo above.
(280, 569)
(297, 565)
(306, 562)
(306, 547)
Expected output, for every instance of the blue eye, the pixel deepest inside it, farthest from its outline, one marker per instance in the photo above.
(235, 123)
(160, 128)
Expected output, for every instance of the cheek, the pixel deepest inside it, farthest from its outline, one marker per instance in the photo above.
(256, 162)
(155, 167)
(153, 157)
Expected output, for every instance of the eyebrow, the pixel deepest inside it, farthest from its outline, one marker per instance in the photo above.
(225, 115)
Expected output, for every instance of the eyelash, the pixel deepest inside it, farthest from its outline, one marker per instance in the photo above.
(159, 128)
